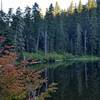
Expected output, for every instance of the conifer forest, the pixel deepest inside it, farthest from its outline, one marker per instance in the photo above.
(50, 55)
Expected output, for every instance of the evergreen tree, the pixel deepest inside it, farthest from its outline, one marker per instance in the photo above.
(75, 31)
(73, 19)
(18, 26)
(3, 25)
(85, 28)
(93, 32)
(79, 40)
(80, 7)
(59, 33)
(9, 20)
(9, 17)
(28, 30)
(98, 25)
(50, 27)
(57, 10)
(71, 8)
(91, 4)
(37, 25)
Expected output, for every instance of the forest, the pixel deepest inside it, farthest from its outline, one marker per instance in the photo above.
(73, 31)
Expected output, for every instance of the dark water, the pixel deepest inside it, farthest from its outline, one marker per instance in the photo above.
(79, 81)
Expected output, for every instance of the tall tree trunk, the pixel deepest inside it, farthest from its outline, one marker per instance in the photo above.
(85, 43)
(45, 42)
(37, 42)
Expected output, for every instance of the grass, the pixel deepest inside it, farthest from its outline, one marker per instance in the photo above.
(42, 57)
(52, 57)
(85, 58)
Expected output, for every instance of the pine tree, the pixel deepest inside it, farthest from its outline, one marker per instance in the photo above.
(46, 33)
(37, 25)
(59, 36)
(3, 25)
(71, 8)
(73, 19)
(9, 21)
(18, 27)
(28, 30)
(93, 32)
(80, 7)
(9, 17)
(62, 33)
(91, 4)
(85, 29)
(98, 25)
(57, 10)
(50, 27)
(79, 40)
(58, 31)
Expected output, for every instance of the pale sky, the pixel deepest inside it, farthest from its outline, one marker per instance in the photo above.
(42, 3)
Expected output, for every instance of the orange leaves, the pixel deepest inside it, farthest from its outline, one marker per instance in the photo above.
(17, 81)
(16, 88)
(8, 59)
(8, 74)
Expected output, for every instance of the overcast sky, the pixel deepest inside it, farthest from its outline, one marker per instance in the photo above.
(42, 3)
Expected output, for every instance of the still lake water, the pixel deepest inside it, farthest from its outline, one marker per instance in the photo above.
(77, 81)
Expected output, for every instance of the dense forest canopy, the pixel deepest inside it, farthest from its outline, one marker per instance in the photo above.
(75, 31)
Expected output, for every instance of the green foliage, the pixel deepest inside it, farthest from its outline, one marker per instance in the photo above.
(71, 8)
(85, 58)
(91, 4)
(68, 56)
(75, 31)
(57, 10)
(41, 56)
(80, 7)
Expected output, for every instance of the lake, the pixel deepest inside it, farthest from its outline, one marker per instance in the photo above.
(76, 81)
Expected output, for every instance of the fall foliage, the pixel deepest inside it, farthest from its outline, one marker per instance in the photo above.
(16, 81)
